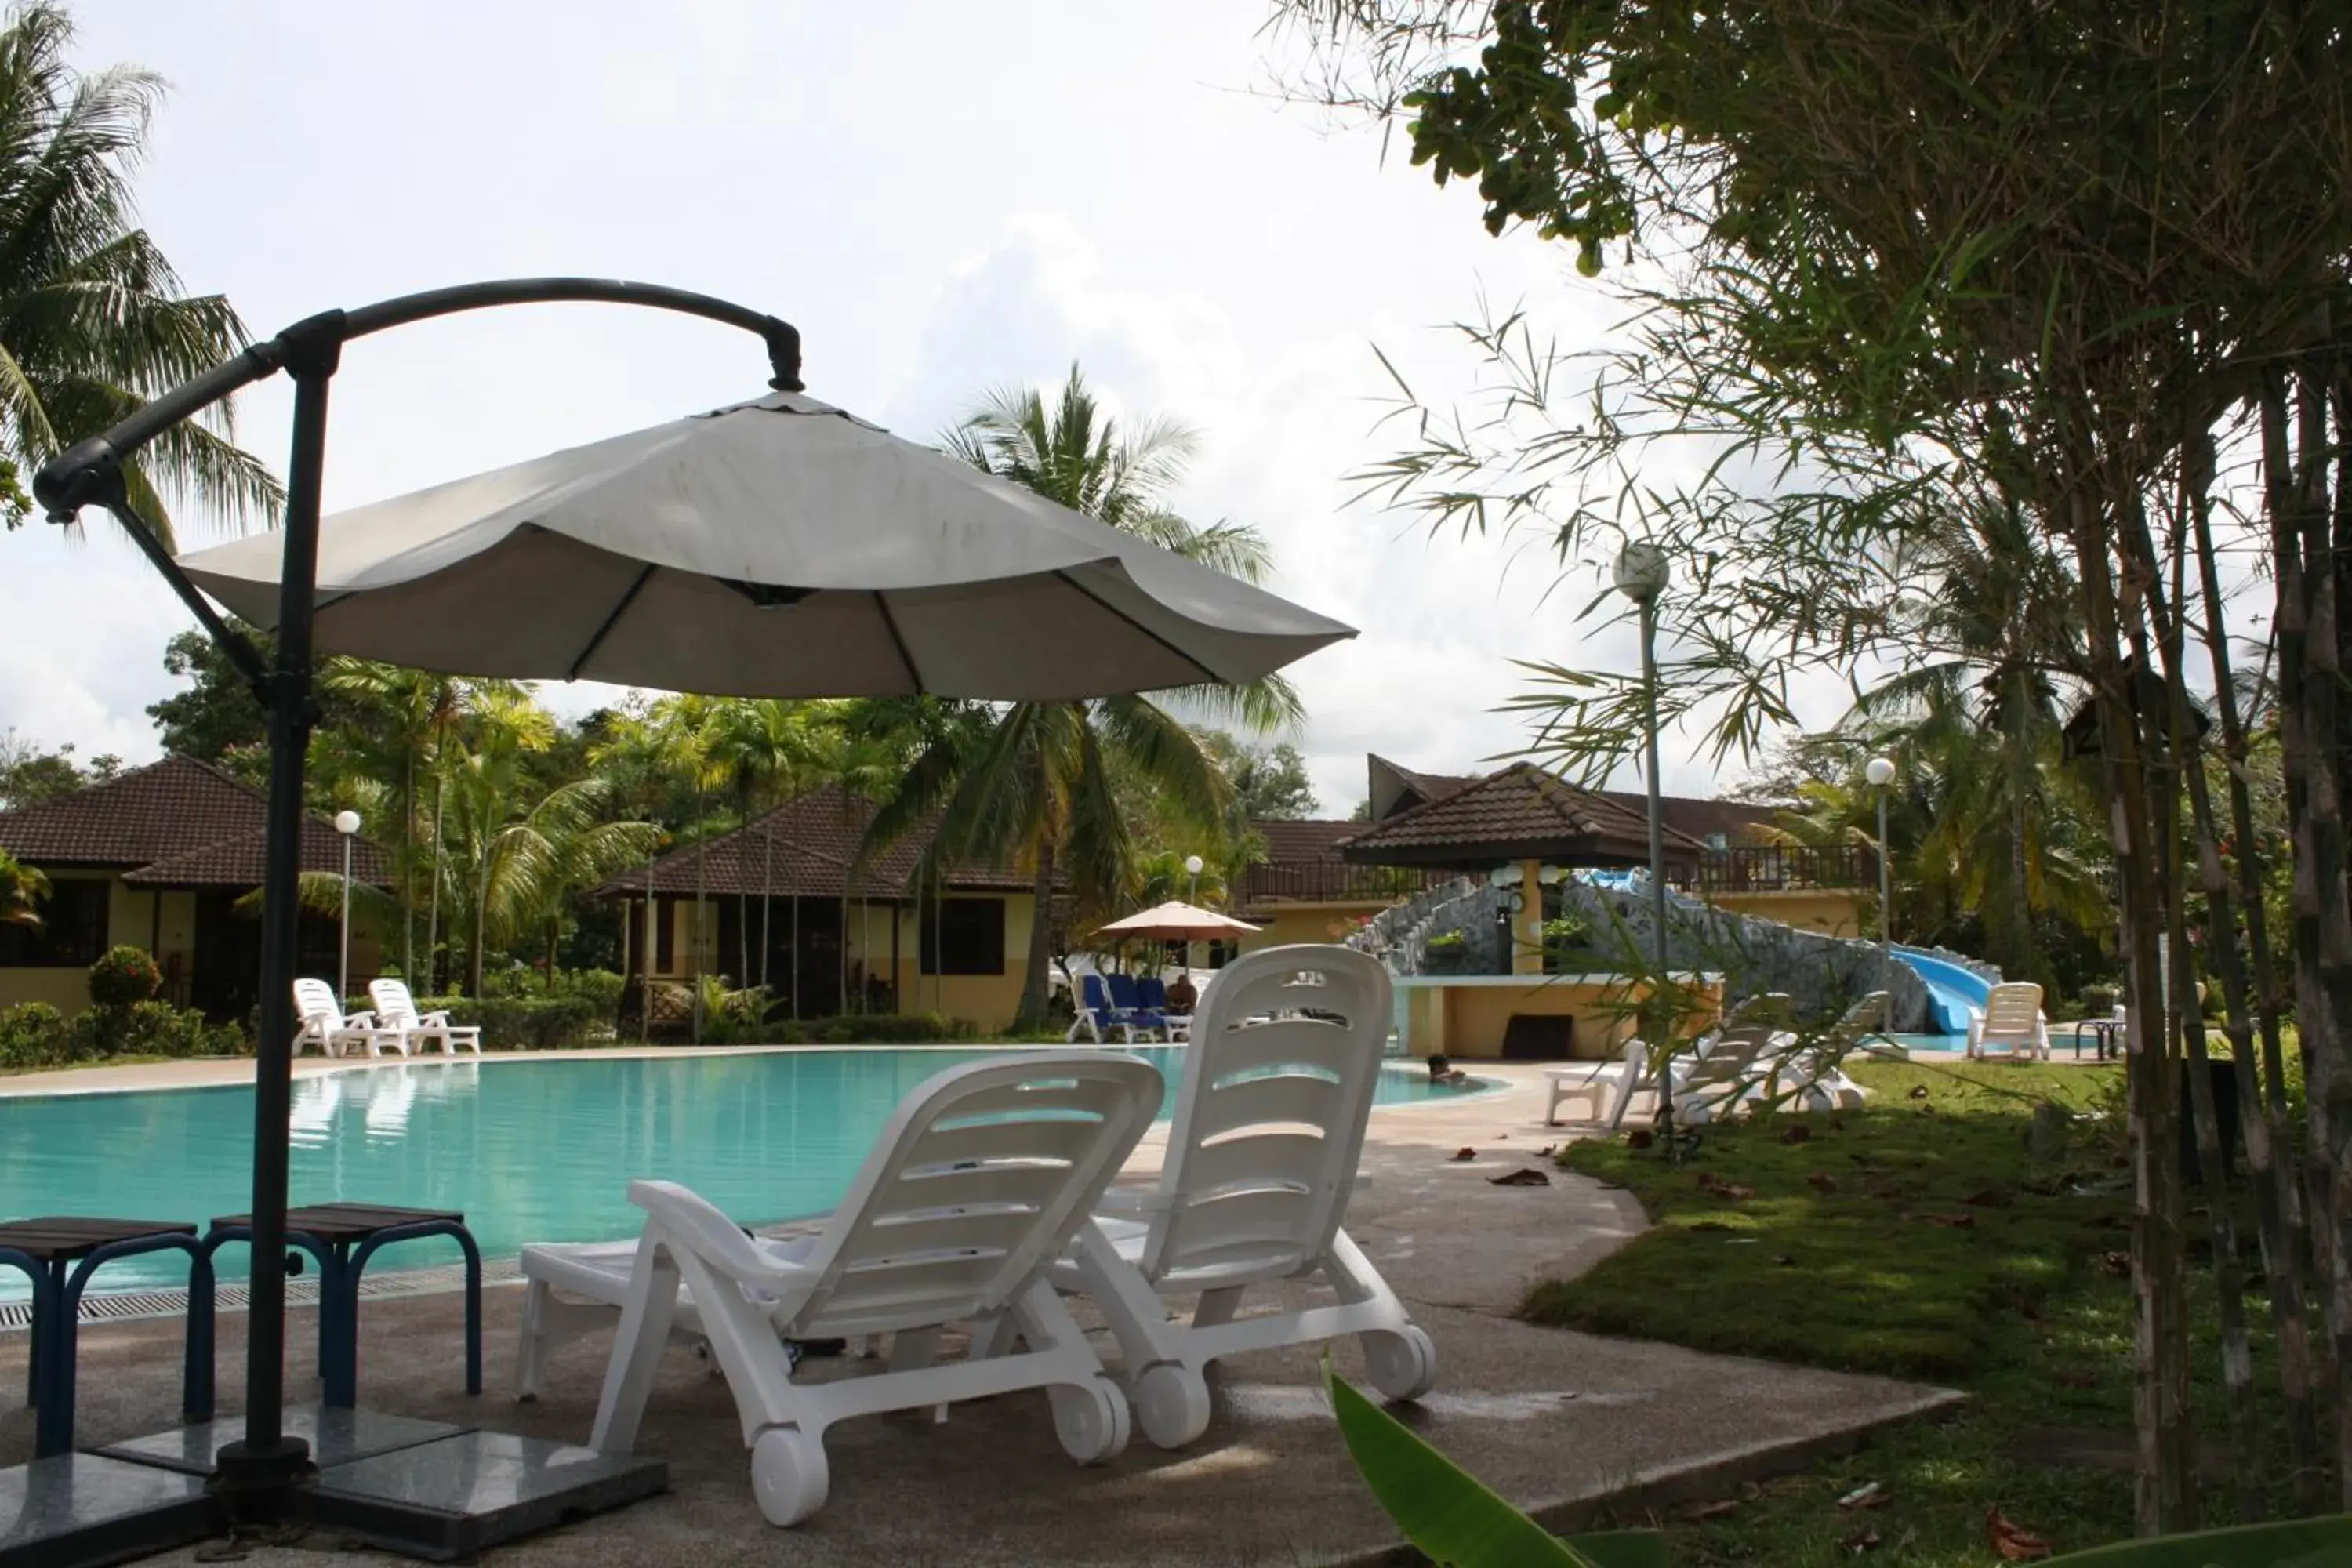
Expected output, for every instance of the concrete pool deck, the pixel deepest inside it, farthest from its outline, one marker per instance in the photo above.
(1555, 1421)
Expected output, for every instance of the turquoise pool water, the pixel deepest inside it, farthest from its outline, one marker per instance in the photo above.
(532, 1151)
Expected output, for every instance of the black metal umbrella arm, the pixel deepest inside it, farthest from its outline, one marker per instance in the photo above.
(259, 1475)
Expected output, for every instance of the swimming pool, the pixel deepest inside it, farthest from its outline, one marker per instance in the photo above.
(532, 1150)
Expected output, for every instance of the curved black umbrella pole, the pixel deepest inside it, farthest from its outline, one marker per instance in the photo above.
(259, 1476)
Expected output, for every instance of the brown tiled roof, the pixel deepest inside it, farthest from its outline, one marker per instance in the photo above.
(1291, 841)
(237, 862)
(1394, 788)
(176, 822)
(1521, 813)
(1736, 820)
(815, 840)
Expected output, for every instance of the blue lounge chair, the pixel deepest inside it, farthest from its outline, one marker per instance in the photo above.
(1096, 1017)
(1151, 997)
(1126, 998)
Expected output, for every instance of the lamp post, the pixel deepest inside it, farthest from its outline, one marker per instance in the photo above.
(1642, 575)
(347, 823)
(260, 1476)
(1880, 771)
(1192, 864)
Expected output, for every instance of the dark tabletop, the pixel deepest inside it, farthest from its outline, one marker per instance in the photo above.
(66, 1237)
(335, 1224)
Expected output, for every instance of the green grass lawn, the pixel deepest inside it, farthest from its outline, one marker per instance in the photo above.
(1919, 1238)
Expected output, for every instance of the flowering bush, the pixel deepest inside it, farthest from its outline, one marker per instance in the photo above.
(123, 975)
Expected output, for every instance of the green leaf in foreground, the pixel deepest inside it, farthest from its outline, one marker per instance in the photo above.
(2294, 1543)
(1449, 1513)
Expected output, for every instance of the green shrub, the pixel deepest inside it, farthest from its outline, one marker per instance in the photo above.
(875, 1029)
(123, 975)
(34, 1035)
(1567, 931)
(160, 1030)
(527, 1023)
(2099, 1001)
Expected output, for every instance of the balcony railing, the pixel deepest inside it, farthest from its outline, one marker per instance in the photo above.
(1780, 868)
(1331, 882)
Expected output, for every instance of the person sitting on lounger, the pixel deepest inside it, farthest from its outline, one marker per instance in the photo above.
(1181, 996)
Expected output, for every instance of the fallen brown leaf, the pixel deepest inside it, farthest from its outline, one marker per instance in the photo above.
(1919, 1092)
(1797, 1132)
(1640, 1138)
(1951, 1221)
(1465, 1153)
(2014, 1545)
(2117, 1264)
(1527, 1176)
(1860, 1542)
(1784, 1260)
(1991, 1198)
(1821, 1182)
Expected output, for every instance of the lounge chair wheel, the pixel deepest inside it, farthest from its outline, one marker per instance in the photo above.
(788, 1474)
(1172, 1404)
(1091, 1420)
(1401, 1364)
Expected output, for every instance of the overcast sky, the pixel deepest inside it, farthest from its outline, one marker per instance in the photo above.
(944, 198)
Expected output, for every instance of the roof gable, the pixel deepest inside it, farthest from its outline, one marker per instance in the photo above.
(176, 822)
(1521, 813)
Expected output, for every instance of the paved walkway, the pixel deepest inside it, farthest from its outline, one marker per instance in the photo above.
(1550, 1418)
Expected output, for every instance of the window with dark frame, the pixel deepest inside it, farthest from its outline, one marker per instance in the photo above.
(963, 936)
(72, 932)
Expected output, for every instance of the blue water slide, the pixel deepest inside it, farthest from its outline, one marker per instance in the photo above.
(1952, 991)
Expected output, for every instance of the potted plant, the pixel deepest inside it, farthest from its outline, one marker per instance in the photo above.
(1448, 953)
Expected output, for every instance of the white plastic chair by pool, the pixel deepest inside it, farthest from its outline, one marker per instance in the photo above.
(395, 1010)
(324, 1025)
(1269, 1126)
(1618, 1082)
(984, 1177)
(2011, 1027)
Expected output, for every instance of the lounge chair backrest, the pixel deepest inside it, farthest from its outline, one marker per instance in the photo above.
(983, 1176)
(1123, 993)
(315, 1000)
(2012, 1009)
(1151, 993)
(1091, 995)
(1279, 1079)
(1733, 1058)
(1764, 1007)
(1865, 1017)
(392, 1002)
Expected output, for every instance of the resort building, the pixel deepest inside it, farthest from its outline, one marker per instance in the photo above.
(160, 857)
(781, 902)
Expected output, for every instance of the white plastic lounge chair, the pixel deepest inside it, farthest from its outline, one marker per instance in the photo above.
(2011, 1027)
(1617, 1082)
(396, 1009)
(1261, 1158)
(981, 1179)
(1736, 1066)
(1814, 1078)
(322, 1024)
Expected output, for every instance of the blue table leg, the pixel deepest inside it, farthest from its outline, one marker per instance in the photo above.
(464, 1240)
(220, 1236)
(53, 1433)
(196, 1380)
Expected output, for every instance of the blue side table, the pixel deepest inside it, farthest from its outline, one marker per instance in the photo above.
(343, 1238)
(59, 1255)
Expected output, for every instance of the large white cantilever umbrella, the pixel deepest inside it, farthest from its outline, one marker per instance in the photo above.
(777, 548)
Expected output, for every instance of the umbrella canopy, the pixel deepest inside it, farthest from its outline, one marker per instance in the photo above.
(1178, 921)
(777, 548)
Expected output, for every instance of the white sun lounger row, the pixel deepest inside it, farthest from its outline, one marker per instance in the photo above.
(1742, 1063)
(985, 1199)
(395, 1024)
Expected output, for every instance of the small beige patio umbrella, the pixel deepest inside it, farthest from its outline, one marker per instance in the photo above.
(1177, 920)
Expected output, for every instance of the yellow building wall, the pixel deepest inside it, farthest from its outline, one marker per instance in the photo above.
(988, 1001)
(1282, 925)
(1834, 912)
(1469, 1022)
(161, 922)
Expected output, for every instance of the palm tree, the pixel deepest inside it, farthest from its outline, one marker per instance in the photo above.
(92, 320)
(408, 715)
(21, 889)
(1036, 788)
(768, 755)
